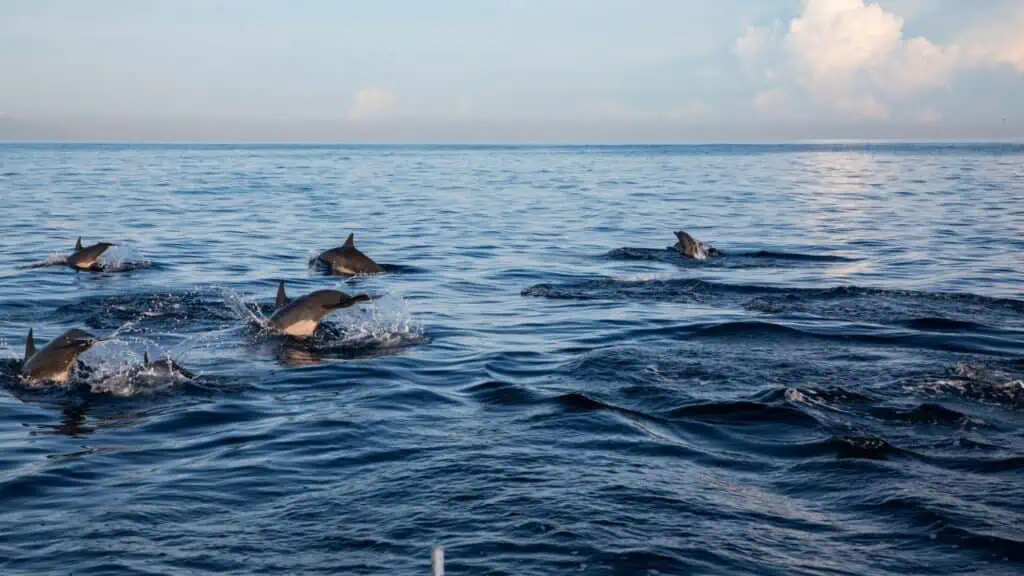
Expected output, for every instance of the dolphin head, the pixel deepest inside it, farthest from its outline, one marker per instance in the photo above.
(76, 339)
(689, 247)
(330, 300)
(55, 360)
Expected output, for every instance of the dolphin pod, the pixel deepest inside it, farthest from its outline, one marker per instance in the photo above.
(298, 318)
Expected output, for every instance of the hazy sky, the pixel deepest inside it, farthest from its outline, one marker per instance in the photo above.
(511, 70)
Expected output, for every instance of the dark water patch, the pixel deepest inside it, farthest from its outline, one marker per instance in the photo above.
(1006, 548)
(403, 269)
(862, 447)
(743, 412)
(157, 310)
(578, 402)
(723, 259)
(984, 324)
(942, 324)
(501, 394)
(927, 309)
(795, 256)
(670, 289)
(943, 526)
(862, 336)
(928, 413)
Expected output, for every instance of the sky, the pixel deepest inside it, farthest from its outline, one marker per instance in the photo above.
(511, 70)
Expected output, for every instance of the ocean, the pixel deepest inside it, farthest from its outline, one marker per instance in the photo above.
(541, 384)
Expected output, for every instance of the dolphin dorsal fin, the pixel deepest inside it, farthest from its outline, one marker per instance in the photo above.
(282, 299)
(145, 357)
(351, 242)
(30, 345)
(78, 245)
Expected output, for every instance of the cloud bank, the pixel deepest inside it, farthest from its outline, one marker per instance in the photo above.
(852, 57)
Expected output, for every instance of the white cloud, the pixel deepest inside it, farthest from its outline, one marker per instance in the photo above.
(856, 49)
(371, 102)
(751, 43)
(851, 56)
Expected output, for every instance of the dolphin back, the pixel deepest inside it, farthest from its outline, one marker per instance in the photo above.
(348, 260)
(689, 247)
(282, 298)
(30, 345)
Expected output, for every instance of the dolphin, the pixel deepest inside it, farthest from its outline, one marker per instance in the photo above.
(55, 361)
(166, 367)
(695, 249)
(348, 260)
(300, 317)
(87, 258)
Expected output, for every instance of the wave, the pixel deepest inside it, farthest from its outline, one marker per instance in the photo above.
(106, 264)
(743, 412)
(161, 309)
(861, 447)
(984, 324)
(669, 289)
(752, 259)
(979, 382)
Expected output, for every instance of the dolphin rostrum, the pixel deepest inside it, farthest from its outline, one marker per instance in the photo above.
(87, 258)
(300, 317)
(348, 260)
(55, 360)
(165, 367)
(690, 248)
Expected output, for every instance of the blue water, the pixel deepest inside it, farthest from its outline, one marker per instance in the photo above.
(541, 385)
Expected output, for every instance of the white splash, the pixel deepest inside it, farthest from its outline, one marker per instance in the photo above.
(643, 278)
(240, 305)
(386, 322)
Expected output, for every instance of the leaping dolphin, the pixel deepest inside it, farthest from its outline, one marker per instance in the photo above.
(347, 260)
(55, 361)
(300, 317)
(166, 368)
(690, 248)
(87, 258)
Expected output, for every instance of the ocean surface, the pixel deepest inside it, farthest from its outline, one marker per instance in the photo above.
(541, 384)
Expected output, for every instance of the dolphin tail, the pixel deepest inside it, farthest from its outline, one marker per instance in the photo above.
(361, 298)
(78, 245)
(145, 358)
(351, 242)
(30, 345)
(282, 299)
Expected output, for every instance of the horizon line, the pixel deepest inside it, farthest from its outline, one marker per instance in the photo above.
(553, 143)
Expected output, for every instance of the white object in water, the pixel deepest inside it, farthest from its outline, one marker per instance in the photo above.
(437, 560)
